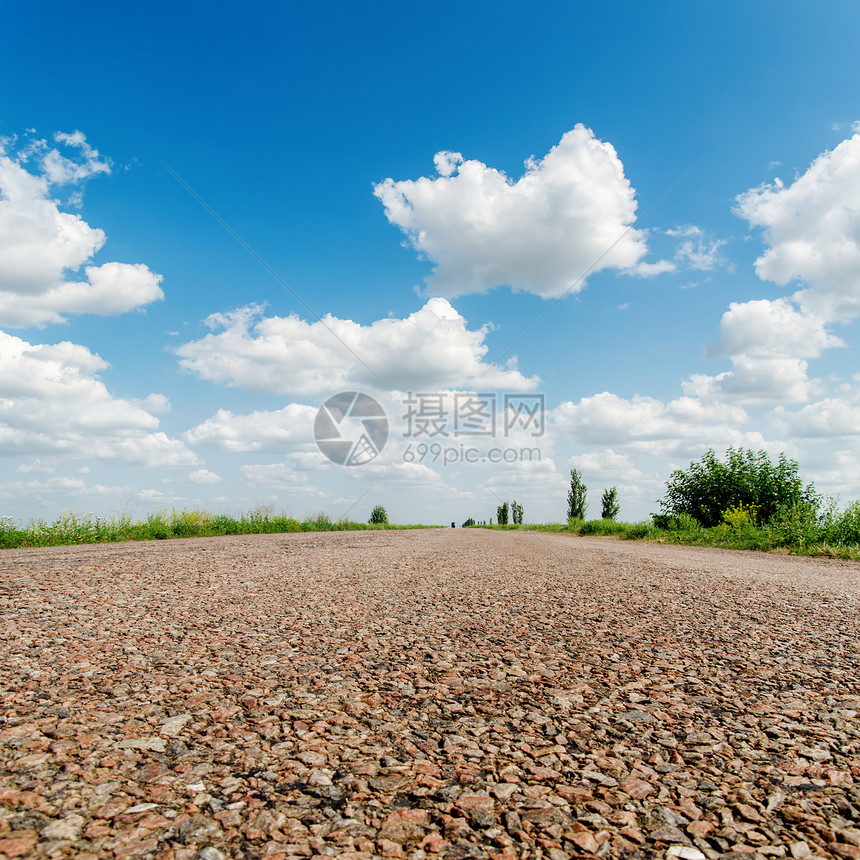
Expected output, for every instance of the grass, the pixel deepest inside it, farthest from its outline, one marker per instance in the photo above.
(74, 528)
(799, 531)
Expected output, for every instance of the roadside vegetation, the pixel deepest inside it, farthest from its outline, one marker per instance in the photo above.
(71, 528)
(743, 501)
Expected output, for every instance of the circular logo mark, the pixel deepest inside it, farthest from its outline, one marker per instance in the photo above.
(351, 428)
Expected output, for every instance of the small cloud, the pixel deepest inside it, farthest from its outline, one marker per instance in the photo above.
(37, 467)
(698, 251)
(204, 476)
(155, 403)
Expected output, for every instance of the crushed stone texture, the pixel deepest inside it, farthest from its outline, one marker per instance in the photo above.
(427, 694)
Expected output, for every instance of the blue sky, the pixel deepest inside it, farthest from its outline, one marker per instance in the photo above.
(429, 179)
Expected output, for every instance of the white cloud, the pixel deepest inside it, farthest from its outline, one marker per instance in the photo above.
(52, 402)
(37, 467)
(258, 431)
(606, 464)
(41, 247)
(282, 476)
(768, 342)
(570, 213)
(829, 418)
(697, 250)
(204, 476)
(812, 228)
(755, 380)
(649, 426)
(60, 170)
(430, 349)
(774, 329)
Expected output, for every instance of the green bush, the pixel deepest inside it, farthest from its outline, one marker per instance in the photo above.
(602, 527)
(468, 522)
(795, 525)
(641, 531)
(378, 516)
(841, 527)
(710, 487)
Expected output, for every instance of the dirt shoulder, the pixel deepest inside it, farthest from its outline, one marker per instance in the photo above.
(440, 693)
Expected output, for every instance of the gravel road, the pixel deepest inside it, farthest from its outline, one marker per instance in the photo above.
(427, 694)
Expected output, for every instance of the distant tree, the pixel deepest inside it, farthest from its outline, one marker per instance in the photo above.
(502, 514)
(378, 516)
(609, 502)
(745, 478)
(576, 505)
(517, 513)
(469, 522)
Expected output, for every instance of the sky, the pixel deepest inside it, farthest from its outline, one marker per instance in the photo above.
(318, 257)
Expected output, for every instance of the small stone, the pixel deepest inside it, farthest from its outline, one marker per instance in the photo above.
(585, 841)
(850, 835)
(637, 717)
(800, 850)
(669, 834)
(68, 828)
(699, 738)
(151, 743)
(16, 847)
(59, 711)
(209, 852)
(140, 807)
(685, 852)
(664, 815)
(750, 813)
(174, 725)
(636, 788)
(388, 848)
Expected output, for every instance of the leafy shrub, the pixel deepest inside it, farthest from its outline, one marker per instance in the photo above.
(795, 526)
(602, 527)
(320, 523)
(378, 516)
(710, 486)
(224, 525)
(841, 527)
(641, 531)
(680, 523)
(741, 517)
(468, 522)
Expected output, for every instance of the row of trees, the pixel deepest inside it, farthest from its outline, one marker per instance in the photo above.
(516, 513)
(576, 505)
